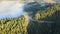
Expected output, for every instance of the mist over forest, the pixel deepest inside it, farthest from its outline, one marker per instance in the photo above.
(29, 17)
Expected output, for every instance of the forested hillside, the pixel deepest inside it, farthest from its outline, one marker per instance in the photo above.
(44, 20)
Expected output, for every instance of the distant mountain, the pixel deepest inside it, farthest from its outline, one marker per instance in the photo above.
(43, 1)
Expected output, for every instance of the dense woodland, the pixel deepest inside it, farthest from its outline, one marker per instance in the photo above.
(24, 25)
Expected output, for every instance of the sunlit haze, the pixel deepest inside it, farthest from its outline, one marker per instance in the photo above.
(10, 9)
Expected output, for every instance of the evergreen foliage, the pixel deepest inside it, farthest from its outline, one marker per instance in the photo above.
(23, 25)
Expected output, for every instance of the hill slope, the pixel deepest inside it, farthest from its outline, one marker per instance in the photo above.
(23, 25)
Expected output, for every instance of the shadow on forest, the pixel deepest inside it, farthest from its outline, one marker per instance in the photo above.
(35, 27)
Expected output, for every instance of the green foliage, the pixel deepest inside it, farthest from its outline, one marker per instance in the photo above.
(23, 25)
(47, 12)
(14, 25)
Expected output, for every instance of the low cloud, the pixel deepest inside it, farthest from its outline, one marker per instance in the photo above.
(10, 9)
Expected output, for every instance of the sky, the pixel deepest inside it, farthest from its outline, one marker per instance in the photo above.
(10, 9)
